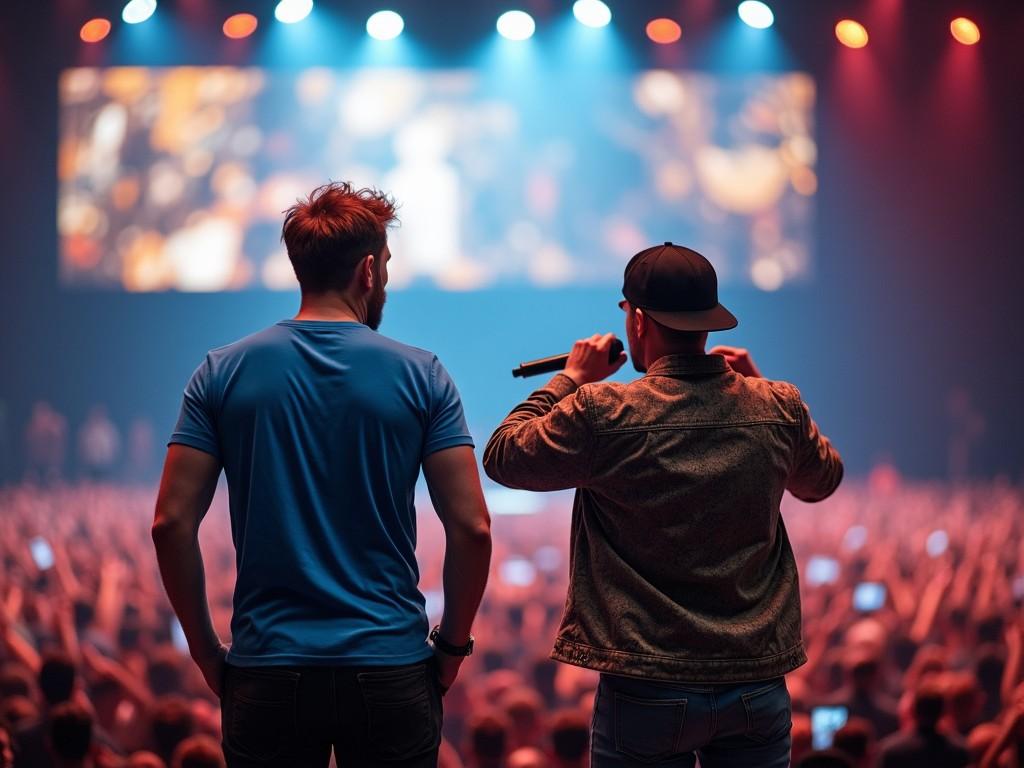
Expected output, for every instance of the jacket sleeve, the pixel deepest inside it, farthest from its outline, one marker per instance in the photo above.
(546, 443)
(817, 468)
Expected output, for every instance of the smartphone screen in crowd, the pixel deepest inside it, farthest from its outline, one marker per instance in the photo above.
(825, 721)
(822, 570)
(42, 553)
(869, 596)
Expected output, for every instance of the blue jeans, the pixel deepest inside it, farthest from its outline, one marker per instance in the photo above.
(647, 722)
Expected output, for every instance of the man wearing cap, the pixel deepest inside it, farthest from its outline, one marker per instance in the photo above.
(683, 588)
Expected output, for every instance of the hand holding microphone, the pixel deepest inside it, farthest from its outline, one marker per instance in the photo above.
(590, 359)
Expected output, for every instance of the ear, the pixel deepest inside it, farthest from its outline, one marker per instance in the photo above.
(367, 273)
(641, 323)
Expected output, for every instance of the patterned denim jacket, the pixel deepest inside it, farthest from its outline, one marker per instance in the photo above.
(680, 565)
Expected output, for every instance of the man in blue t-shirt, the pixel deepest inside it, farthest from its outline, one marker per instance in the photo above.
(321, 426)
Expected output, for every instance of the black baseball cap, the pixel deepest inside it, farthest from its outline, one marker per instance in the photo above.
(677, 288)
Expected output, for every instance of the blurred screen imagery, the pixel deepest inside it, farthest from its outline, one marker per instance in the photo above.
(175, 179)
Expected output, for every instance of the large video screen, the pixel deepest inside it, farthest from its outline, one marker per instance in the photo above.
(176, 178)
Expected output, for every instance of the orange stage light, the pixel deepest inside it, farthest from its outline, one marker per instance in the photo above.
(95, 30)
(851, 33)
(965, 31)
(240, 25)
(664, 31)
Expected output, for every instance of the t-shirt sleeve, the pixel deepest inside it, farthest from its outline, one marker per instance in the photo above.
(447, 423)
(197, 422)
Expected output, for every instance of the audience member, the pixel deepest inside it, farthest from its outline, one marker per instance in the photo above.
(925, 746)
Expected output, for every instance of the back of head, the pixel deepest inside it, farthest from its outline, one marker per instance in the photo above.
(172, 724)
(570, 735)
(855, 739)
(331, 231)
(991, 628)
(56, 678)
(70, 731)
(488, 736)
(165, 671)
(929, 703)
(863, 664)
(198, 752)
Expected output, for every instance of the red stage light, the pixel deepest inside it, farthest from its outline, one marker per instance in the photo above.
(965, 31)
(240, 25)
(94, 30)
(851, 33)
(664, 31)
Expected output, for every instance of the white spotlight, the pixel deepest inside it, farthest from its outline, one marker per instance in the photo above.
(137, 11)
(756, 14)
(592, 13)
(292, 11)
(516, 25)
(384, 25)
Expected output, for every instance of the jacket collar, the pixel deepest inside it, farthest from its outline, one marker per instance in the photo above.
(688, 365)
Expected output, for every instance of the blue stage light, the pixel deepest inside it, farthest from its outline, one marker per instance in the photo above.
(292, 11)
(384, 25)
(592, 13)
(756, 14)
(137, 11)
(516, 25)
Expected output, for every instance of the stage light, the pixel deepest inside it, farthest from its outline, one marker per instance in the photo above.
(592, 13)
(240, 25)
(384, 25)
(664, 31)
(94, 30)
(851, 34)
(965, 31)
(137, 11)
(516, 25)
(292, 11)
(756, 14)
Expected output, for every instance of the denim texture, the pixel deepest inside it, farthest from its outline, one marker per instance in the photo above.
(680, 565)
(638, 723)
(291, 717)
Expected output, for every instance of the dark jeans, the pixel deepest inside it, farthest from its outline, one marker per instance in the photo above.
(647, 722)
(292, 716)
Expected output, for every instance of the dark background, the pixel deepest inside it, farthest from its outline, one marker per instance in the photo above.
(917, 239)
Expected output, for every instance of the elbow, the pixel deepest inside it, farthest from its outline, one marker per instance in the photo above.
(167, 529)
(490, 460)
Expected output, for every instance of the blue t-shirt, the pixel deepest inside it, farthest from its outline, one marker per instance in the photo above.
(321, 428)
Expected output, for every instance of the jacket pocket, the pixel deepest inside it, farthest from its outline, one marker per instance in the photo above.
(648, 730)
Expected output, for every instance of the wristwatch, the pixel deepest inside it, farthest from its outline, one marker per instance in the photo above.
(447, 648)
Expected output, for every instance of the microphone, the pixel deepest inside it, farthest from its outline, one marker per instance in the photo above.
(557, 362)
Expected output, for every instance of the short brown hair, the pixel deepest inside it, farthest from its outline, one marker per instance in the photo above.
(331, 231)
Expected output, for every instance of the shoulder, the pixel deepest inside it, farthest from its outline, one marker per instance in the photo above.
(267, 337)
(415, 355)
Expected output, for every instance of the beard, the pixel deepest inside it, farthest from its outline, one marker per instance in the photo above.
(375, 305)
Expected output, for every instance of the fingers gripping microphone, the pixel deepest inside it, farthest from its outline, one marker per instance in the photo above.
(557, 362)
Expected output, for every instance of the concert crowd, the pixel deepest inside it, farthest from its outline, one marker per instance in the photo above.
(911, 600)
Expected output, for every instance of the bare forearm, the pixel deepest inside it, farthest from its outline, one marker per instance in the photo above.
(184, 578)
(467, 561)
